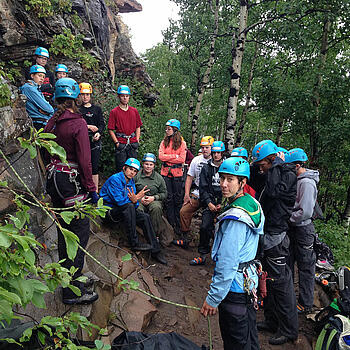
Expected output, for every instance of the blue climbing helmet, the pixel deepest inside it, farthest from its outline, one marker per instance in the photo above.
(61, 68)
(123, 90)
(218, 146)
(41, 51)
(239, 152)
(263, 149)
(174, 123)
(37, 69)
(67, 87)
(286, 154)
(235, 166)
(149, 157)
(133, 162)
(297, 155)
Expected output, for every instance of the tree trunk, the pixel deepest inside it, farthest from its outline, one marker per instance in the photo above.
(206, 76)
(235, 71)
(248, 98)
(279, 132)
(190, 109)
(314, 132)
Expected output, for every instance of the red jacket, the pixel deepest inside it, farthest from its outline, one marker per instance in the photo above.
(171, 157)
(249, 190)
(72, 134)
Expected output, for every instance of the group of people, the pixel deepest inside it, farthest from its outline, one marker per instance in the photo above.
(261, 210)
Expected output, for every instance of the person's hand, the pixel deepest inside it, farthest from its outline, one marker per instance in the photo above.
(208, 310)
(96, 136)
(212, 207)
(281, 155)
(132, 196)
(148, 199)
(187, 199)
(142, 193)
(93, 197)
(218, 207)
(93, 128)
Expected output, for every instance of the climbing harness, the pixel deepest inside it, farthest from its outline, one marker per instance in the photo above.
(124, 136)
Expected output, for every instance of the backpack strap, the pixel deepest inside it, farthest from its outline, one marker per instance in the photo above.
(332, 334)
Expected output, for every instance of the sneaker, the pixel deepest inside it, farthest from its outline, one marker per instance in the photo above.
(279, 340)
(84, 299)
(141, 247)
(199, 260)
(160, 258)
(304, 309)
(180, 243)
(325, 265)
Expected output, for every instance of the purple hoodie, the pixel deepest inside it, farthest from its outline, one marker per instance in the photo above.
(72, 134)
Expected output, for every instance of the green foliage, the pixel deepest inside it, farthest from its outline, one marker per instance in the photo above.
(8, 71)
(76, 20)
(337, 239)
(5, 95)
(47, 8)
(70, 45)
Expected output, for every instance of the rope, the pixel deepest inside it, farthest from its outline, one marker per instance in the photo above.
(99, 263)
(90, 22)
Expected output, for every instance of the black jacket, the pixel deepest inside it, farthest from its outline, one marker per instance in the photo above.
(278, 196)
(209, 185)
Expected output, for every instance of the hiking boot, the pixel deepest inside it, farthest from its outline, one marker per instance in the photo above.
(279, 339)
(325, 265)
(84, 299)
(141, 247)
(180, 243)
(264, 327)
(199, 260)
(160, 258)
(304, 309)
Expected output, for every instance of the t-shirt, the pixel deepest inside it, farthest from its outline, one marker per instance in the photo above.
(195, 170)
(124, 122)
(93, 116)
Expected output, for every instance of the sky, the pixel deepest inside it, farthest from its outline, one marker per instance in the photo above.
(146, 26)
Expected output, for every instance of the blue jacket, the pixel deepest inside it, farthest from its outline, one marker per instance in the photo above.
(236, 241)
(35, 102)
(115, 190)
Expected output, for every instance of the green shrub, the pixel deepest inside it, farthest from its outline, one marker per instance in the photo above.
(47, 8)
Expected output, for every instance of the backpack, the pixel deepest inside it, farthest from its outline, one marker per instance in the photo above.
(323, 252)
(335, 335)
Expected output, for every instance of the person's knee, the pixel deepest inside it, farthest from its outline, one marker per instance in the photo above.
(155, 207)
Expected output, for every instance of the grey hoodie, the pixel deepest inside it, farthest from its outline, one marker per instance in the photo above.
(306, 198)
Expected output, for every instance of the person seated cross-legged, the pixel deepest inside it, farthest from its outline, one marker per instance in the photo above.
(119, 192)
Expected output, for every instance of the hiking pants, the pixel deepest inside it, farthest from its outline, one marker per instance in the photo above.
(124, 152)
(80, 227)
(206, 231)
(302, 240)
(186, 213)
(237, 319)
(131, 217)
(173, 201)
(280, 308)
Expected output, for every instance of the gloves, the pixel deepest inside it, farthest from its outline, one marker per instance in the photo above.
(93, 197)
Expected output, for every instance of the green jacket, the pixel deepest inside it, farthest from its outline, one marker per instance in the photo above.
(155, 183)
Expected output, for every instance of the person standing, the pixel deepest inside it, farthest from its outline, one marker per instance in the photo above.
(72, 181)
(94, 118)
(61, 71)
(277, 200)
(210, 197)
(191, 199)
(124, 127)
(41, 57)
(152, 203)
(302, 231)
(38, 109)
(237, 232)
(172, 154)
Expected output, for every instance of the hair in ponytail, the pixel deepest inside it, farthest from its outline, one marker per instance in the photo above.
(63, 104)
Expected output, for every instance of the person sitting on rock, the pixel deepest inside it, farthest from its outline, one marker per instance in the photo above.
(119, 193)
(210, 197)
(61, 71)
(152, 203)
(39, 110)
(41, 56)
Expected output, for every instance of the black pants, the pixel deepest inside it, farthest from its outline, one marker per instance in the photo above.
(131, 217)
(301, 250)
(124, 152)
(237, 319)
(95, 157)
(173, 201)
(280, 304)
(80, 227)
(206, 231)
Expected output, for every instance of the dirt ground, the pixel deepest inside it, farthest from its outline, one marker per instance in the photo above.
(182, 283)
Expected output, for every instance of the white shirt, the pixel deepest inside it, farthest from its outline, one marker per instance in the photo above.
(195, 170)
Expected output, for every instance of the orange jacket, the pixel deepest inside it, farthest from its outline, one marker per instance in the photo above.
(170, 156)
